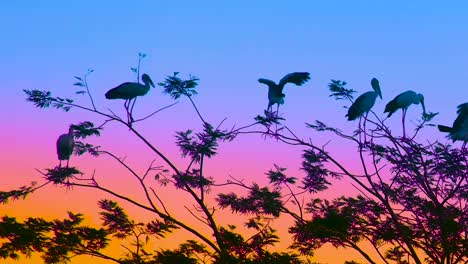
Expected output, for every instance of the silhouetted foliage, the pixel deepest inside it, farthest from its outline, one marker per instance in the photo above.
(411, 207)
(55, 240)
(20, 193)
(44, 99)
(59, 175)
(269, 119)
(338, 90)
(86, 129)
(176, 87)
(259, 201)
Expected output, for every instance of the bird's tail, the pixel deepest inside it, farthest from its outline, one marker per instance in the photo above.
(110, 95)
(353, 113)
(391, 107)
(444, 128)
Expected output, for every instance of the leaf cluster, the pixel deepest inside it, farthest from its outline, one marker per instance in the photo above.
(313, 165)
(176, 87)
(44, 99)
(57, 240)
(260, 200)
(203, 144)
(61, 175)
(269, 119)
(339, 91)
(86, 129)
(342, 222)
(20, 193)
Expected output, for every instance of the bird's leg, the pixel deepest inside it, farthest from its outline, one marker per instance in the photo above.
(126, 108)
(403, 121)
(277, 113)
(359, 126)
(365, 121)
(267, 115)
(131, 109)
(67, 163)
(60, 163)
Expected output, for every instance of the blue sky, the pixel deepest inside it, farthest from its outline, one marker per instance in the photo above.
(416, 45)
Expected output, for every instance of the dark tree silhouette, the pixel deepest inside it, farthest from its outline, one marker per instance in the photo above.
(411, 207)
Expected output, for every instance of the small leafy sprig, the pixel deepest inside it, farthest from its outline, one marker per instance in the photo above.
(338, 90)
(316, 171)
(82, 82)
(176, 87)
(85, 129)
(61, 175)
(136, 69)
(82, 148)
(44, 99)
(204, 143)
(260, 200)
(269, 119)
(17, 194)
(428, 116)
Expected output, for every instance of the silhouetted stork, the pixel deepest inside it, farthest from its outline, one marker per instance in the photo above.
(403, 101)
(129, 91)
(65, 144)
(364, 104)
(365, 101)
(459, 129)
(275, 91)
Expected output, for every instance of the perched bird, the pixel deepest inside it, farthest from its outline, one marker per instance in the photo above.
(275, 91)
(65, 144)
(365, 101)
(130, 90)
(403, 101)
(459, 129)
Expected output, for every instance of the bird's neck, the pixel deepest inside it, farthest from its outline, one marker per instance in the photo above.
(147, 87)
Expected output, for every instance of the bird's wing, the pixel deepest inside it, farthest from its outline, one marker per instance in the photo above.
(59, 144)
(402, 100)
(362, 104)
(298, 78)
(270, 83)
(65, 144)
(462, 120)
(462, 108)
(391, 107)
(126, 90)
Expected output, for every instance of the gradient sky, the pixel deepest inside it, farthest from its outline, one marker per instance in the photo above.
(417, 45)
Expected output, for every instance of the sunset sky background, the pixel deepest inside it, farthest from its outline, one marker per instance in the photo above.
(417, 45)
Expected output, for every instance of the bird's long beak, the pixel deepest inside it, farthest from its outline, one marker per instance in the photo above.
(423, 106)
(376, 86)
(151, 82)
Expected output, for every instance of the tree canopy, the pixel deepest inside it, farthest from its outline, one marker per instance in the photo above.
(411, 207)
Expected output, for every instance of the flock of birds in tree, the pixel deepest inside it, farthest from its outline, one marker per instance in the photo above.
(129, 91)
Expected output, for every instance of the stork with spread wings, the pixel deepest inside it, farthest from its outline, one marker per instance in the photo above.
(275, 91)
